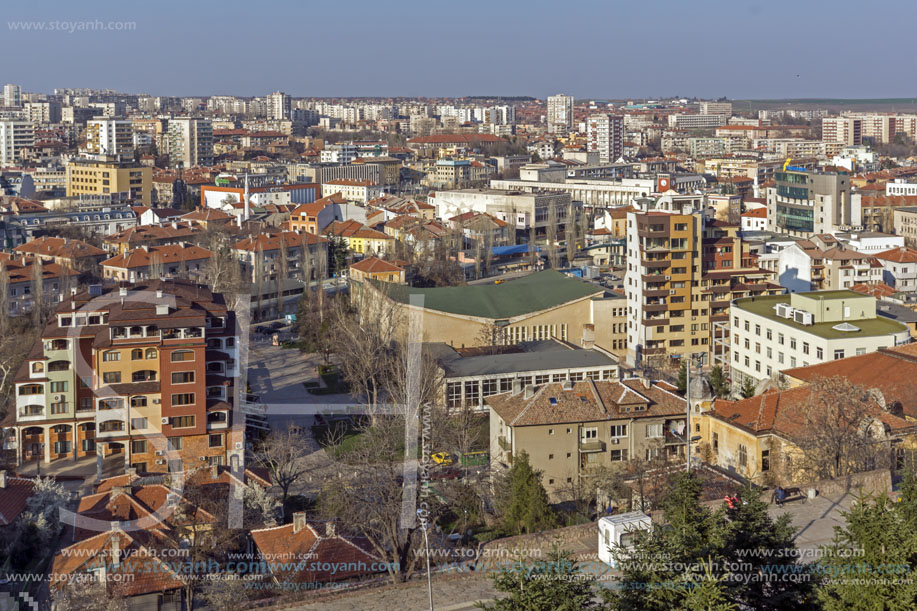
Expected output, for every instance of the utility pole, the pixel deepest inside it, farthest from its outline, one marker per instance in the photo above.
(423, 525)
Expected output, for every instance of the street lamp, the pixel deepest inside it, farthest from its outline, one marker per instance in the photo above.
(423, 524)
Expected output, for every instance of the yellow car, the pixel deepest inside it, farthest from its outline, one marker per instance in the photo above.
(442, 458)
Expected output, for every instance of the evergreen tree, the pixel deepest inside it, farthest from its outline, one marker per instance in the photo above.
(708, 593)
(757, 546)
(748, 388)
(528, 509)
(719, 384)
(550, 585)
(870, 563)
(682, 381)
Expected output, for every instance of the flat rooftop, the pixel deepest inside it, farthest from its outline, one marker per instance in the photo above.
(531, 356)
(532, 293)
(868, 327)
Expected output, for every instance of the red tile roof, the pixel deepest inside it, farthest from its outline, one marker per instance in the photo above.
(898, 255)
(170, 253)
(13, 498)
(48, 246)
(375, 265)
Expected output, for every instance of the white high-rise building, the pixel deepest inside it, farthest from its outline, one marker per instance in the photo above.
(12, 95)
(110, 137)
(605, 135)
(13, 136)
(191, 141)
(278, 105)
(560, 114)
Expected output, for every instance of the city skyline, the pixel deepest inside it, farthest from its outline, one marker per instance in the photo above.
(346, 55)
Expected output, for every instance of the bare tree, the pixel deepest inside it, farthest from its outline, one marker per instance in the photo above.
(38, 291)
(283, 453)
(367, 497)
(258, 272)
(570, 233)
(79, 595)
(4, 299)
(283, 266)
(224, 275)
(839, 431)
(156, 270)
(533, 249)
(491, 336)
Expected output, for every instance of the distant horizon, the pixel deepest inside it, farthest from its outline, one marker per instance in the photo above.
(745, 50)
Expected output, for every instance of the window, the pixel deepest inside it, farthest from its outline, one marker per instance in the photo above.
(59, 408)
(550, 457)
(654, 430)
(454, 394)
(138, 423)
(861, 351)
(145, 375)
(488, 387)
(58, 387)
(38, 367)
(618, 455)
(550, 431)
(590, 433)
(792, 343)
(138, 446)
(743, 456)
(215, 441)
(111, 377)
(819, 353)
(151, 353)
(175, 443)
(138, 401)
(182, 422)
(619, 430)
(769, 335)
(838, 354)
(136, 354)
(541, 379)
(111, 355)
(765, 460)
(185, 398)
(805, 347)
(61, 447)
(757, 329)
(182, 355)
(780, 338)
(89, 445)
(716, 443)
(471, 392)
(506, 384)
(182, 377)
(792, 361)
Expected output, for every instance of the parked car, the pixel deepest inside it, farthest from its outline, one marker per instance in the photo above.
(442, 458)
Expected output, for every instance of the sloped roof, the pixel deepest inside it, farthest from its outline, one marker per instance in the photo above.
(898, 255)
(375, 265)
(49, 246)
(170, 253)
(13, 498)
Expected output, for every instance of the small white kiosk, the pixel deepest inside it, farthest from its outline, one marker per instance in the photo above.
(618, 531)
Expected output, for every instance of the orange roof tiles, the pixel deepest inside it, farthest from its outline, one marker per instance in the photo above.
(898, 255)
(375, 265)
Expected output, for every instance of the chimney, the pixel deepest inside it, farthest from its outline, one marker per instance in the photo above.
(119, 490)
(299, 521)
(517, 386)
(567, 383)
(2, 479)
(329, 529)
(158, 293)
(214, 471)
(115, 546)
(647, 383)
(529, 391)
(131, 472)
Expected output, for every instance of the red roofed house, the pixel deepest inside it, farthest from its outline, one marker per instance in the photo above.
(75, 253)
(754, 219)
(373, 268)
(304, 552)
(899, 268)
(14, 494)
(148, 262)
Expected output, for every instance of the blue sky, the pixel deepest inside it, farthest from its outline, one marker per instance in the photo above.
(591, 49)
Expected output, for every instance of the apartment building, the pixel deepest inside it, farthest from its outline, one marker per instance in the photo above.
(802, 203)
(278, 106)
(190, 142)
(154, 262)
(825, 263)
(716, 108)
(571, 426)
(114, 137)
(265, 257)
(359, 191)
(43, 112)
(559, 115)
(847, 131)
(605, 135)
(905, 224)
(146, 371)
(662, 284)
(14, 136)
(770, 334)
(685, 121)
(108, 176)
(520, 210)
(12, 95)
(22, 282)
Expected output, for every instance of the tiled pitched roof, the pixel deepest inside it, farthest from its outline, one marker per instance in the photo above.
(170, 253)
(13, 498)
(898, 255)
(587, 401)
(48, 246)
(375, 265)
(273, 241)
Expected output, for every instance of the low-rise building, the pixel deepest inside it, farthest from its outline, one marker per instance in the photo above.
(151, 262)
(770, 334)
(569, 427)
(374, 268)
(360, 191)
(899, 268)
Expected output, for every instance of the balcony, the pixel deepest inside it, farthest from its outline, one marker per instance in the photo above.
(656, 293)
(504, 444)
(586, 447)
(655, 322)
(653, 278)
(652, 231)
(32, 411)
(655, 307)
(655, 263)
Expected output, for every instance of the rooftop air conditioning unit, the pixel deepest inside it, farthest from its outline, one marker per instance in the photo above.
(165, 421)
(784, 310)
(802, 317)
